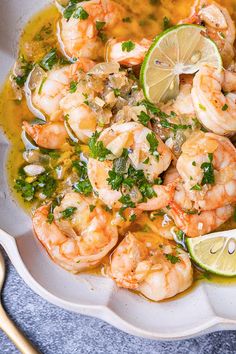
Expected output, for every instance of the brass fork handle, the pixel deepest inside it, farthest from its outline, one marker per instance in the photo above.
(15, 335)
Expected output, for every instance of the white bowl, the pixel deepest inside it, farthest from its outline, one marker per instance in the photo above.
(208, 307)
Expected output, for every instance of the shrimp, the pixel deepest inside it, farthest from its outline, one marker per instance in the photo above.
(216, 111)
(78, 238)
(219, 26)
(54, 86)
(115, 51)
(80, 37)
(207, 166)
(156, 272)
(133, 137)
(51, 135)
(79, 116)
(199, 223)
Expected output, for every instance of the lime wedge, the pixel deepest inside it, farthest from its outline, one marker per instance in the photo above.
(215, 252)
(178, 50)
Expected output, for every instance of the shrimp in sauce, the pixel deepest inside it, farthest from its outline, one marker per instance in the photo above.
(77, 238)
(149, 270)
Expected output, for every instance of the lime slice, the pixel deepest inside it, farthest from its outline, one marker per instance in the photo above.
(178, 50)
(215, 252)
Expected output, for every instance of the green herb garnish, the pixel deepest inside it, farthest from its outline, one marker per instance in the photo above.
(173, 259)
(97, 149)
(208, 171)
(128, 46)
(68, 212)
(73, 86)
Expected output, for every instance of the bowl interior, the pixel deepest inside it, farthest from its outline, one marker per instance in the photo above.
(85, 293)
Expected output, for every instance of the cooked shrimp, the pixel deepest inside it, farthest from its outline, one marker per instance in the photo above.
(216, 111)
(207, 166)
(115, 51)
(78, 238)
(220, 26)
(49, 136)
(131, 136)
(196, 224)
(80, 37)
(80, 117)
(54, 86)
(138, 266)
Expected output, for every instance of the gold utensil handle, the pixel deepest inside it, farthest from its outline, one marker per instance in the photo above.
(20, 341)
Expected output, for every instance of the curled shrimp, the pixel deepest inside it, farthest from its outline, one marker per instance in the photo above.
(194, 223)
(216, 111)
(207, 166)
(139, 266)
(133, 137)
(191, 221)
(54, 85)
(219, 25)
(80, 37)
(51, 135)
(115, 52)
(78, 238)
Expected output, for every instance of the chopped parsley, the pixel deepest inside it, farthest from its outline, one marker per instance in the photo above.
(173, 259)
(194, 163)
(180, 235)
(115, 180)
(196, 187)
(144, 118)
(126, 202)
(44, 32)
(203, 108)
(97, 148)
(225, 107)
(166, 124)
(166, 23)
(116, 92)
(132, 217)
(128, 46)
(83, 186)
(26, 68)
(49, 60)
(127, 19)
(73, 9)
(68, 212)
(153, 142)
(73, 86)
(124, 175)
(92, 207)
(80, 13)
(43, 183)
(208, 171)
(100, 25)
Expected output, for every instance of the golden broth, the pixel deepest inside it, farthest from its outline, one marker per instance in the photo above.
(143, 18)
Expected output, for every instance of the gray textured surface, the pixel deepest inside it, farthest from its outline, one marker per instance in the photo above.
(55, 331)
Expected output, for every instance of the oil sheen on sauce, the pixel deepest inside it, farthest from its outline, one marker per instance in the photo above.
(144, 20)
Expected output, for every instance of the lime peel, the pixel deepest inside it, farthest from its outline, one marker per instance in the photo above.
(215, 253)
(178, 50)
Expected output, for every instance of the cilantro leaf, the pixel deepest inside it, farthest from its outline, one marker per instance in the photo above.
(208, 171)
(68, 212)
(83, 187)
(128, 46)
(153, 142)
(144, 118)
(80, 13)
(173, 259)
(73, 86)
(97, 149)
